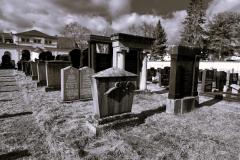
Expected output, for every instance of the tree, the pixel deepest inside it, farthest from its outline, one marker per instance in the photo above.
(223, 33)
(159, 45)
(78, 33)
(193, 33)
(143, 29)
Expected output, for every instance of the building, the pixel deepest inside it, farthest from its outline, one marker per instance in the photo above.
(34, 41)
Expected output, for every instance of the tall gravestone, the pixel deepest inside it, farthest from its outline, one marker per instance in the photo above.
(53, 74)
(207, 81)
(69, 84)
(183, 95)
(85, 83)
(41, 71)
(75, 56)
(164, 76)
(221, 79)
(34, 70)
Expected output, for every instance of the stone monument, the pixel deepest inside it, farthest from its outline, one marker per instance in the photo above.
(183, 95)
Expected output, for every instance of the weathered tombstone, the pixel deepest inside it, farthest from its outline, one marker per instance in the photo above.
(233, 79)
(19, 65)
(69, 84)
(34, 70)
(183, 95)
(28, 68)
(112, 91)
(53, 74)
(200, 75)
(75, 56)
(85, 83)
(207, 80)
(151, 73)
(164, 77)
(41, 72)
(6, 62)
(221, 79)
(235, 89)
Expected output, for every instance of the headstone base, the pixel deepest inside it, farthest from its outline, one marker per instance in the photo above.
(97, 126)
(52, 89)
(181, 106)
(34, 78)
(41, 83)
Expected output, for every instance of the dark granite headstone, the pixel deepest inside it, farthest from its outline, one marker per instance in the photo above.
(164, 76)
(184, 72)
(75, 56)
(221, 80)
(207, 80)
(233, 78)
(183, 94)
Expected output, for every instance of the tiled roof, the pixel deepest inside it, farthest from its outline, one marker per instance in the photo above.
(35, 33)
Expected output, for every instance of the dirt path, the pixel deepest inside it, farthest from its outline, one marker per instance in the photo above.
(20, 136)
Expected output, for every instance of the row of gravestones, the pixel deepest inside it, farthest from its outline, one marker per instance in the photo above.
(162, 76)
(111, 89)
(218, 81)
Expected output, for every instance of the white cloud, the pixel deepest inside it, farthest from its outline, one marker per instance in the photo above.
(218, 6)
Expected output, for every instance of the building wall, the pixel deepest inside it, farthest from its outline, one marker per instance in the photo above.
(220, 66)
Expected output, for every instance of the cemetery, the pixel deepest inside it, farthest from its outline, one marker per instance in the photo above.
(120, 80)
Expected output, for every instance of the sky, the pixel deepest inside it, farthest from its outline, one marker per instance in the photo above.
(50, 16)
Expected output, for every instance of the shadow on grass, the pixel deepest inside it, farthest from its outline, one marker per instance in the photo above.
(14, 115)
(209, 103)
(15, 155)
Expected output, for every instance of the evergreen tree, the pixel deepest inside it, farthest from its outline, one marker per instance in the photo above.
(159, 45)
(193, 34)
(223, 33)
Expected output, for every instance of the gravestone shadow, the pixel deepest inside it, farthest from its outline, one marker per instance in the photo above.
(209, 103)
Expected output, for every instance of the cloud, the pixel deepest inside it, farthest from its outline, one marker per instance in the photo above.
(172, 26)
(218, 6)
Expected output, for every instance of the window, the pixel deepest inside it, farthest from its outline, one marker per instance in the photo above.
(37, 40)
(48, 42)
(26, 40)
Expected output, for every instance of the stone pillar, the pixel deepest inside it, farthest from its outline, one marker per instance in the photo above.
(143, 73)
(121, 60)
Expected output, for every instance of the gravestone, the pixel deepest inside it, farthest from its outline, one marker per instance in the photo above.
(221, 79)
(164, 77)
(34, 70)
(6, 62)
(183, 95)
(53, 74)
(200, 75)
(233, 79)
(41, 72)
(69, 84)
(151, 73)
(235, 89)
(28, 68)
(85, 83)
(112, 91)
(207, 80)
(75, 56)
(19, 65)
